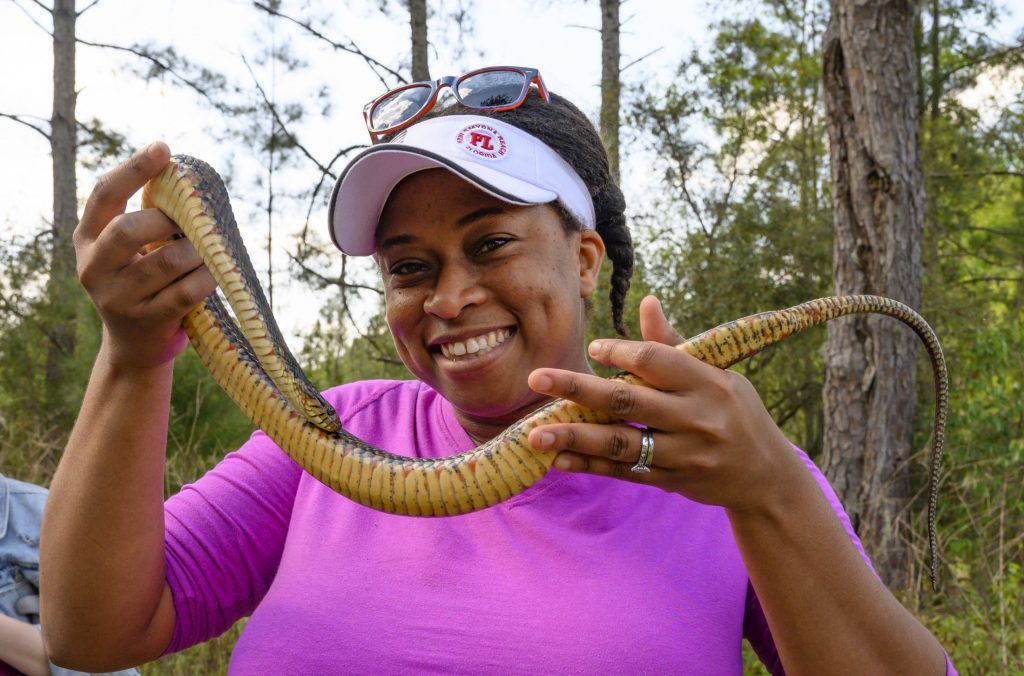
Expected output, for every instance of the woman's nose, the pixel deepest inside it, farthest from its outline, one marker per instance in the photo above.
(456, 289)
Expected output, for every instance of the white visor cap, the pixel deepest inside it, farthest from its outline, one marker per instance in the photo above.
(496, 157)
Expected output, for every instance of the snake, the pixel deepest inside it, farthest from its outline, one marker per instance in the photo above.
(247, 356)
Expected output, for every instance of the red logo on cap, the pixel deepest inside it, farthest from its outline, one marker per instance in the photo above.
(482, 140)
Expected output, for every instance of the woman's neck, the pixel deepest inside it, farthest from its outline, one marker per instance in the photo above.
(483, 428)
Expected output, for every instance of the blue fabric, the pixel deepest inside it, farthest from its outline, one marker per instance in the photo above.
(21, 517)
(21, 514)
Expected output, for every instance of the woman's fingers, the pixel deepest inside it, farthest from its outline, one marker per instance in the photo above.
(616, 443)
(159, 268)
(141, 294)
(654, 326)
(184, 293)
(615, 397)
(110, 196)
(661, 366)
(604, 450)
(590, 464)
(120, 244)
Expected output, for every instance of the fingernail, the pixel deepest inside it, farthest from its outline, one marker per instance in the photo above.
(543, 383)
(595, 348)
(546, 440)
(153, 150)
(562, 464)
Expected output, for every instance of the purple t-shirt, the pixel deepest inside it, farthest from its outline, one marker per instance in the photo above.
(578, 574)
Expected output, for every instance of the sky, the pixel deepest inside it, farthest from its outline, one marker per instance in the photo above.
(559, 37)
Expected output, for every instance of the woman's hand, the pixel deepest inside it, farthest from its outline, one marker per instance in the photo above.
(141, 297)
(714, 441)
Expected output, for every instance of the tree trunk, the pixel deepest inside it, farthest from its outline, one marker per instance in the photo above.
(62, 288)
(610, 82)
(418, 24)
(878, 202)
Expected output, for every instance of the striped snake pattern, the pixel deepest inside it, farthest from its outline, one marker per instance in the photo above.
(251, 362)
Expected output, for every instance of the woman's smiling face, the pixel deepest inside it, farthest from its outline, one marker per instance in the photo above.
(481, 292)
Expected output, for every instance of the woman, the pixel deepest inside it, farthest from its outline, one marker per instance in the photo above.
(649, 550)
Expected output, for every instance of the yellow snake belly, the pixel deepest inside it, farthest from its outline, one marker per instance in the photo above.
(250, 361)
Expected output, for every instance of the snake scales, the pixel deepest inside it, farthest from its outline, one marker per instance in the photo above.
(251, 362)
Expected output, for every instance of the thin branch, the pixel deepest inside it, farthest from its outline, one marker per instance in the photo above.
(980, 280)
(48, 9)
(995, 231)
(19, 120)
(636, 61)
(32, 18)
(347, 309)
(159, 64)
(990, 172)
(320, 184)
(88, 7)
(1010, 50)
(372, 340)
(277, 118)
(328, 281)
(11, 308)
(32, 319)
(586, 28)
(351, 48)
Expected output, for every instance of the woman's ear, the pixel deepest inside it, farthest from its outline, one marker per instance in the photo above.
(591, 257)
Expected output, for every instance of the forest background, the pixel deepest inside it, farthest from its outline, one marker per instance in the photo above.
(720, 121)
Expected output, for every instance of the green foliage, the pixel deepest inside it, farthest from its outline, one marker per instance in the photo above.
(97, 144)
(974, 289)
(211, 657)
(339, 350)
(745, 226)
(204, 424)
(29, 312)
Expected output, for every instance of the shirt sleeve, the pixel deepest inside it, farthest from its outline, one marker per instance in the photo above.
(224, 536)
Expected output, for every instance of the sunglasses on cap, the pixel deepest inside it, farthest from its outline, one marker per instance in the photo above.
(496, 88)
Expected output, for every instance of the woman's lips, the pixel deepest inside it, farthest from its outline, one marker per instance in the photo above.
(474, 346)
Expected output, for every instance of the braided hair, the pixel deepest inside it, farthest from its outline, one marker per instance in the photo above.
(567, 131)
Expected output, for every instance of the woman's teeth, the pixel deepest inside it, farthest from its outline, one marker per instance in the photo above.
(475, 345)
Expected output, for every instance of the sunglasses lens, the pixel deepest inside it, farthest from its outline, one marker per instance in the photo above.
(492, 88)
(399, 107)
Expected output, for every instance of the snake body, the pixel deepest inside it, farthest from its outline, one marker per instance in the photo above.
(250, 361)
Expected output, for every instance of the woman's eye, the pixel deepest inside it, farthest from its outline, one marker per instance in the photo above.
(405, 268)
(493, 244)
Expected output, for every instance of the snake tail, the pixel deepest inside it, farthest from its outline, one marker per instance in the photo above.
(734, 341)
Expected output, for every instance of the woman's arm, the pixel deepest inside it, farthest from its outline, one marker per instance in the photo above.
(21, 647)
(812, 582)
(104, 602)
(716, 444)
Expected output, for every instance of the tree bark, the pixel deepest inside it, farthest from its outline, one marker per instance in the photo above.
(610, 82)
(62, 287)
(418, 25)
(878, 202)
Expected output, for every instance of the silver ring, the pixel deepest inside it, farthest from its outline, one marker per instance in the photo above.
(643, 463)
